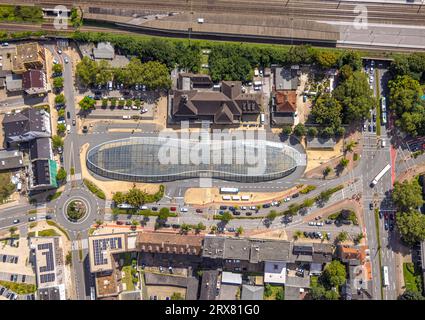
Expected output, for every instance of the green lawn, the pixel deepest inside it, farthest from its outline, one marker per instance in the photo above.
(272, 292)
(19, 288)
(412, 278)
(47, 233)
(128, 278)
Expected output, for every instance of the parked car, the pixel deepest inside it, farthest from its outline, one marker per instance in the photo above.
(266, 205)
(48, 217)
(120, 223)
(183, 209)
(85, 129)
(32, 219)
(370, 206)
(248, 213)
(66, 60)
(199, 211)
(154, 208)
(173, 209)
(15, 221)
(295, 195)
(386, 225)
(237, 213)
(223, 207)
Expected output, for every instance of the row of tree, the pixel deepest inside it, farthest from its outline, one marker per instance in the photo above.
(136, 197)
(153, 74)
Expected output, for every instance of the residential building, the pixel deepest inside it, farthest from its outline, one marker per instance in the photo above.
(11, 160)
(252, 292)
(34, 82)
(101, 249)
(28, 56)
(226, 107)
(50, 267)
(42, 175)
(209, 285)
(190, 81)
(275, 272)
(169, 243)
(284, 108)
(14, 82)
(104, 51)
(40, 148)
(285, 79)
(24, 126)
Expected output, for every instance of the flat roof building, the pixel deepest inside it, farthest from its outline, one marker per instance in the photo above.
(252, 292)
(28, 56)
(10, 160)
(101, 249)
(169, 243)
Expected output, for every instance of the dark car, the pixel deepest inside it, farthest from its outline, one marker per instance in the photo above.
(370, 128)
(199, 210)
(329, 221)
(176, 226)
(380, 214)
(68, 115)
(85, 129)
(266, 205)
(120, 223)
(392, 216)
(232, 208)
(248, 213)
(48, 217)
(223, 207)
(237, 213)
(221, 212)
(391, 226)
(371, 206)
(173, 209)
(296, 195)
(386, 225)
(154, 208)
(306, 234)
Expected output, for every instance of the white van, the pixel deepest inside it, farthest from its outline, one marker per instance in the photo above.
(19, 186)
(383, 143)
(262, 118)
(68, 128)
(126, 117)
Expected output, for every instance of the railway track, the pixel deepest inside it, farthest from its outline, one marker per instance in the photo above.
(409, 14)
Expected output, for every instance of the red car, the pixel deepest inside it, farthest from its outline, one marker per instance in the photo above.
(173, 208)
(120, 223)
(198, 210)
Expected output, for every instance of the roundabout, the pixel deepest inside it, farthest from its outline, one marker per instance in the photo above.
(76, 209)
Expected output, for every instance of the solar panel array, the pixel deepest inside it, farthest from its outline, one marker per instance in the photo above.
(50, 265)
(100, 245)
(48, 277)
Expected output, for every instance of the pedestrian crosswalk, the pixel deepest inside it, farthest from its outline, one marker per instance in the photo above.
(82, 244)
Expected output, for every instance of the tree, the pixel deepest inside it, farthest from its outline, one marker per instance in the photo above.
(351, 58)
(300, 130)
(12, 230)
(411, 226)
(86, 71)
(119, 197)
(307, 203)
(411, 295)
(346, 72)
(61, 113)
(164, 213)
(200, 227)
(57, 142)
(298, 234)
(286, 130)
(342, 236)
(327, 112)
(135, 223)
(58, 83)
(61, 128)
(99, 222)
(87, 103)
(350, 146)
(61, 175)
(60, 99)
(324, 196)
(185, 228)
(406, 102)
(239, 231)
(355, 96)
(233, 68)
(176, 296)
(344, 162)
(135, 197)
(327, 171)
(213, 229)
(326, 59)
(334, 274)
(57, 68)
(312, 132)
(407, 195)
(226, 217)
(155, 75)
(104, 73)
(272, 215)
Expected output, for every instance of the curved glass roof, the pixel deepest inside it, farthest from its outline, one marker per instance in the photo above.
(167, 159)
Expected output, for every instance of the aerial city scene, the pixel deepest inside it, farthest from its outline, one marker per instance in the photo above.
(220, 150)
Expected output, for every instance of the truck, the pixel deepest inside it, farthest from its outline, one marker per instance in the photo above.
(380, 175)
(385, 278)
(229, 190)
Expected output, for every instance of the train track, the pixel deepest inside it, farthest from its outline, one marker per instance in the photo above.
(409, 14)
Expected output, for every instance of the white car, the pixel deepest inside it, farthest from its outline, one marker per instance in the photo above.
(55, 61)
(66, 60)
(253, 208)
(312, 223)
(15, 221)
(183, 210)
(243, 208)
(319, 224)
(143, 110)
(59, 51)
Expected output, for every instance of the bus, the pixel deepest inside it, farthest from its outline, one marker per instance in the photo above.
(380, 175)
(229, 190)
(385, 279)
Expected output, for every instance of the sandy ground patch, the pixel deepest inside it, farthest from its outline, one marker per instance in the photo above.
(110, 187)
(315, 158)
(162, 291)
(23, 266)
(269, 234)
(204, 196)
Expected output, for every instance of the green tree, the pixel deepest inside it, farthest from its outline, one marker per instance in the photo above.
(185, 228)
(61, 175)
(57, 142)
(58, 83)
(346, 72)
(355, 97)
(327, 112)
(155, 75)
(86, 71)
(326, 59)
(272, 215)
(176, 296)
(230, 68)
(407, 195)
(226, 217)
(350, 146)
(200, 227)
(411, 295)
(135, 197)
(344, 162)
(57, 68)
(12, 230)
(164, 213)
(119, 197)
(342, 236)
(286, 130)
(411, 225)
(87, 103)
(307, 203)
(239, 230)
(61, 129)
(60, 99)
(351, 58)
(327, 171)
(61, 113)
(312, 132)
(300, 130)
(104, 73)
(334, 274)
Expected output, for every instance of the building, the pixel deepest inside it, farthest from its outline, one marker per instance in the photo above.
(226, 107)
(104, 50)
(285, 79)
(284, 108)
(40, 148)
(50, 267)
(14, 82)
(252, 292)
(231, 278)
(169, 243)
(34, 82)
(42, 175)
(353, 256)
(318, 143)
(3, 75)
(275, 272)
(190, 81)
(11, 160)
(28, 56)
(101, 249)
(24, 126)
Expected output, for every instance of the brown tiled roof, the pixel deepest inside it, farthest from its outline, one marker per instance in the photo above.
(350, 253)
(169, 243)
(286, 101)
(32, 79)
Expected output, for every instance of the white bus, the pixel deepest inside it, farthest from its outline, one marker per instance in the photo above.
(385, 279)
(229, 190)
